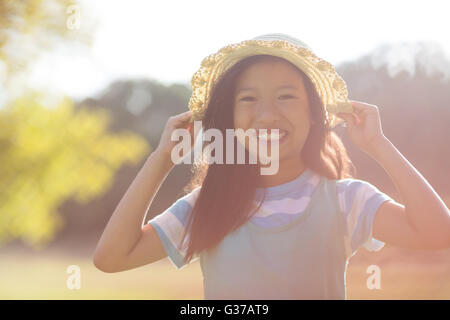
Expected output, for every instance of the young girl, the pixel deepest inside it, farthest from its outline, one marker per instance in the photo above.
(287, 235)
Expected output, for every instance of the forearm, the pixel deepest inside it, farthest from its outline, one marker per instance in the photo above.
(124, 227)
(426, 211)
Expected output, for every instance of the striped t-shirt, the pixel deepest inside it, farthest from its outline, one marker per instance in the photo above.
(358, 200)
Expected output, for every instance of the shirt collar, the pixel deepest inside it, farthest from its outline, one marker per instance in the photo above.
(286, 187)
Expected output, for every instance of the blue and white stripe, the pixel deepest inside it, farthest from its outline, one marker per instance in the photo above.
(358, 201)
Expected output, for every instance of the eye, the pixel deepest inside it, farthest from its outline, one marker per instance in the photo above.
(246, 98)
(287, 95)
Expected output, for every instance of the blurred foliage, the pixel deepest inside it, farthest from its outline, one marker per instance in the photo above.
(143, 107)
(30, 27)
(50, 154)
(413, 97)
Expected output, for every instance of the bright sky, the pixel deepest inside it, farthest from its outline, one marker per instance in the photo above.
(166, 40)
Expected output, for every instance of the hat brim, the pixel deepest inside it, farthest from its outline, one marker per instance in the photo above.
(330, 87)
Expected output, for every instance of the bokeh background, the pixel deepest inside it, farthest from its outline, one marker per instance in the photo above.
(87, 86)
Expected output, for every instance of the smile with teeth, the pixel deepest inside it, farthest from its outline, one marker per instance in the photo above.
(272, 135)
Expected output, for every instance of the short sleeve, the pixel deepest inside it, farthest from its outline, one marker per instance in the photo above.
(359, 202)
(170, 226)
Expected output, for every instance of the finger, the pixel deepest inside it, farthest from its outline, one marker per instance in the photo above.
(358, 108)
(185, 115)
(362, 107)
(358, 104)
(192, 132)
(348, 118)
(190, 128)
(183, 118)
(359, 113)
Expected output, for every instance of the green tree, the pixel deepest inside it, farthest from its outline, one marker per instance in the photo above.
(51, 153)
(31, 27)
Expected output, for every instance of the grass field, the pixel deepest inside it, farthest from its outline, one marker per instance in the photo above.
(43, 276)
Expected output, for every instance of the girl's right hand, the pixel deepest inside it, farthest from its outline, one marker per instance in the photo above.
(179, 121)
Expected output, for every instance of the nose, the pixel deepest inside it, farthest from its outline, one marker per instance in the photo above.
(266, 112)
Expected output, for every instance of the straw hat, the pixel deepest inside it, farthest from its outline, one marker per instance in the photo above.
(330, 86)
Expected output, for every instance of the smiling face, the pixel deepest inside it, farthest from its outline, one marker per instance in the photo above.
(271, 94)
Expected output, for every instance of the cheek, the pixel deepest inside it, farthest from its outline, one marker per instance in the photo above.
(301, 137)
(241, 119)
(301, 130)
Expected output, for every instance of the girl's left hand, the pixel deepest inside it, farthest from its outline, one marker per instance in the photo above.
(364, 125)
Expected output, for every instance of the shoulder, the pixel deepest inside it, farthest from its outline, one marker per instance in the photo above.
(190, 197)
(359, 201)
(353, 187)
(171, 226)
(177, 214)
(356, 193)
(352, 184)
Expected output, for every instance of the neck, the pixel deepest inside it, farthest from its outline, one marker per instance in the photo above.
(288, 170)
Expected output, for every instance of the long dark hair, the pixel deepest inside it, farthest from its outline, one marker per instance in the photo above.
(226, 199)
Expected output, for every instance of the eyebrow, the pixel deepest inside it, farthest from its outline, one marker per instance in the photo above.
(286, 86)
